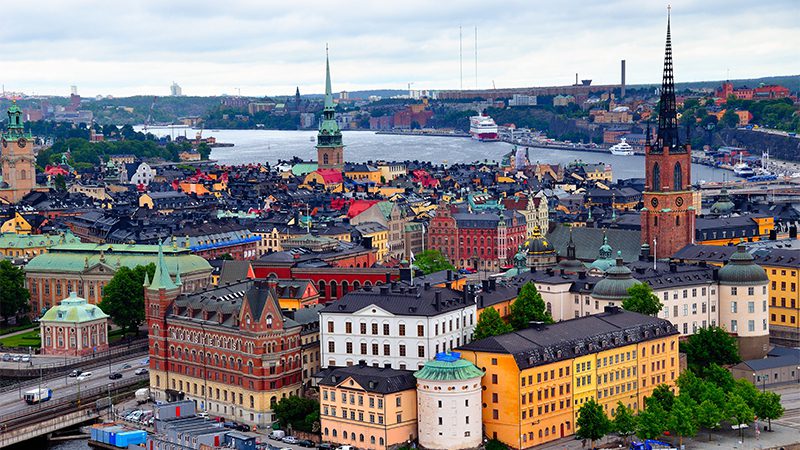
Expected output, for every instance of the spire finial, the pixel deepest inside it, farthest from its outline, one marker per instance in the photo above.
(667, 114)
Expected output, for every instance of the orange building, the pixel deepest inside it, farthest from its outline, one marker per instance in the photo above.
(537, 378)
(368, 407)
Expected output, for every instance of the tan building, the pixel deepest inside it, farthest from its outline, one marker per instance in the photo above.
(74, 328)
(17, 159)
(368, 407)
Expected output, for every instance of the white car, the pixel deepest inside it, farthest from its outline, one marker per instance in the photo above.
(84, 376)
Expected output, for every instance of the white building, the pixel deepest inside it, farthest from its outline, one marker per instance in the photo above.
(449, 413)
(400, 326)
(175, 90)
(144, 175)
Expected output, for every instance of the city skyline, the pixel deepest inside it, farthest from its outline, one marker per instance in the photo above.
(256, 49)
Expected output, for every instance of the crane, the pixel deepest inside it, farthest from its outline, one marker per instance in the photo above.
(150, 114)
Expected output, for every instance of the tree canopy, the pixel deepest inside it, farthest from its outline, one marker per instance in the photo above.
(123, 297)
(624, 422)
(710, 345)
(14, 296)
(682, 419)
(592, 421)
(431, 261)
(768, 406)
(301, 413)
(642, 300)
(490, 324)
(528, 307)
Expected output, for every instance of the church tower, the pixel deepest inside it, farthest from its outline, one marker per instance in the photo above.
(16, 158)
(668, 217)
(330, 150)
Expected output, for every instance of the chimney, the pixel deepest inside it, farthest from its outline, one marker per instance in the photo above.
(581, 275)
(793, 232)
(427, 285)
(384, 290)
(485, 285)
(493, 284)
(480, 301)
(612, 309)
(644, 253)
(773, 235)
(622, 81)
(406, 274)
(449, 275)
(537, 325)
(673, 267)
(389, 277)
(576, 78)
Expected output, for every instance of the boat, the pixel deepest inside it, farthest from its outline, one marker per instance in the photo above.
(742, 169)
(621, 149)
(483, 128)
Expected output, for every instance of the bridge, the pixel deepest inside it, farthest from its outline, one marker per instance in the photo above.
(45, 418)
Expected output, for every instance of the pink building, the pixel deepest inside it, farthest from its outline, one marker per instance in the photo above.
(74, 328)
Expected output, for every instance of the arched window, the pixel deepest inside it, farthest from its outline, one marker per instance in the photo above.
(325, 159)
(656, 177)
(322, 288)
(334, 289)
(344, 434)
(380, 441)
(677, 175)
(344, 287)
(677, 220)
(22, 174)
(334, 432)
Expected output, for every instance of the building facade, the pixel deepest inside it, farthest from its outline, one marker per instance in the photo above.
(74, 328)
(330, 149)
(17, 160)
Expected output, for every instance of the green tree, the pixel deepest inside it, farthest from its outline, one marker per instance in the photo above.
(490, 324)
(60, 183)
(663, 396)
(225, 257)
(719, 376)
(13, 295)
(709, 415)
(494, 444)
(652, 421)
(624, 422)
(431, 261)
(528, 307)
(123, 297)
(642, 300)
(681, 419)
(768, 406)
(747, 391)
(298, 412)
(737, 411)
(730, 119)
(710, 345)
(592, 422)
(204, 150)
(691, 385)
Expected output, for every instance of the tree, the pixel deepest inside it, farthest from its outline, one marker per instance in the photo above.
(225, 257)
(691, 385)
(528, 307)
(730, 118)
(204, 150)
(719, 376)
(710, 345)
(709, 415)
(624, 422)
(123, 297)
(592, 422)
(431, 261)
(641, 299)
(490, 324)
(681, 419)
(60, 183)
(13, 295)
(663, 396)
(768, 406)
(652, 421)
(747, 391)
(298, 412)
(737, 410)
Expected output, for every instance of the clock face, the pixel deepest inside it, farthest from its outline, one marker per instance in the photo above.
(679, 201)
(21, 142)
(654, 202)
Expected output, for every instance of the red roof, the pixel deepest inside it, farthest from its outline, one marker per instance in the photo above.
(330, 176)
(359, 206)
(55, 170)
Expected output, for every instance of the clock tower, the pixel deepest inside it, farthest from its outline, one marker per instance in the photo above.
(330, 149)
(668, 216)
(17, 159)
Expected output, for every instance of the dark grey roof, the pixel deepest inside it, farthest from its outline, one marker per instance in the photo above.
(778, 357)
(402, 300)
(233, 271)
(379, 380)
(588, 241)
(575, 337)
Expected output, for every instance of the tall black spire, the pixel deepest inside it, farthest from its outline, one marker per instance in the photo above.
(667, 112)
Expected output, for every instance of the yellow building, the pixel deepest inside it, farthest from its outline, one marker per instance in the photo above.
(364, 173)
(537, 378)
(732, 230)
(14, 245)
(379, 235)
(368, 407)
(16, 224)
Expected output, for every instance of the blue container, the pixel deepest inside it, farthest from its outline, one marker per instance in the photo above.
(132, 437)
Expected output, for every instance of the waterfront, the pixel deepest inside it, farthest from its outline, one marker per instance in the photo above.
(253, 146)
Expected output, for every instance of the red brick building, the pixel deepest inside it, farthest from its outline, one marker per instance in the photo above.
(229, 349)
(482, 241)
(668, 216)
(768, 92)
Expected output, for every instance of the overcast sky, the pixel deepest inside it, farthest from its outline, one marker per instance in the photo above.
(268, 47)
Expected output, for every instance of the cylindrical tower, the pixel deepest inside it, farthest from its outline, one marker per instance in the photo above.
(743, 308)
(449, 403)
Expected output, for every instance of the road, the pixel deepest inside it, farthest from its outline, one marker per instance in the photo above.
(11, 401)
(790, 399)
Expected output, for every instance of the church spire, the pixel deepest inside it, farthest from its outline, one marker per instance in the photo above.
(161, 278)
(328, 90)
(667, 111)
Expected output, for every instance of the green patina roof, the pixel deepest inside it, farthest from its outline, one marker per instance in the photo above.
(74, 309)
(304, 168)
(161, 278)
(76, 257)
(24, 241)
(741, 269)
(448, 367)
(329, 134)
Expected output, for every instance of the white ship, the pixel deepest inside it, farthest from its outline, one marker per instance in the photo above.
(742, 169)
(622, 149)
(483, 128)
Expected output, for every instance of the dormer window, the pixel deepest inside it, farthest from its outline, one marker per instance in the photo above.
(269, 321)
(247, 319)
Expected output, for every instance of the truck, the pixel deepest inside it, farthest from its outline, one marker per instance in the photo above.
(651, 444)
(142, 395)
(38, 395)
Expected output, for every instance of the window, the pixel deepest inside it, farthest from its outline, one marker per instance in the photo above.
(421, 351)
(751, 325)
(374, 328)
(733, 305)
(751, 290)
(734, 326)
(733, 292)
(348, 327)
(751, 307)
(330, 326)
(656, 177)
(331, 346)
(677, 183)
(402, 329)
(420, 330)
(386, 329)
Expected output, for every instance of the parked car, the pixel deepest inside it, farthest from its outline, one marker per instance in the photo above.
(140, 371)
(277, 435)
(84, 376)
(134, 416)
(290, 440)
(126, 366)
(26, 358)
(7, 357)
(16, 358)
(75, 373)
(325, 446)
(242, 427)
(115, 376)
(305, 443)
(345, 447)
(231, 425)
(202, 415)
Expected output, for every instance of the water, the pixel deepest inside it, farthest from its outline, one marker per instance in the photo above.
(254, 146)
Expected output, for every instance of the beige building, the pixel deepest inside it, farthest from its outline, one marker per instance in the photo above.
(368, 407)
(74, 328)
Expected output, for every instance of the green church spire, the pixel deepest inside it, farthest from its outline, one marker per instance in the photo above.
(161, 279)
(328, 90)
(329, 134)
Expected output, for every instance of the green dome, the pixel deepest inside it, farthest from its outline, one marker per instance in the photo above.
(742, 270)
(73, 309)
(448, 367)
(723, 205)
(615, 285)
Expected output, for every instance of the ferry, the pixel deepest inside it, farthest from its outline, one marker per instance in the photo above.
(622, 149)
(483, 128)
(743, 170)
